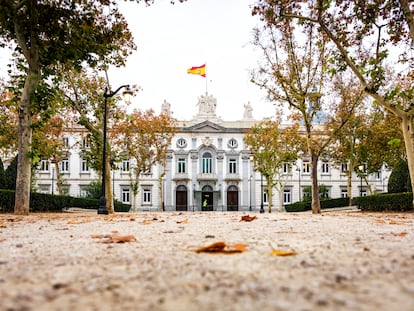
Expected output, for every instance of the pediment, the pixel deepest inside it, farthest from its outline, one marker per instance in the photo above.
(206, 127)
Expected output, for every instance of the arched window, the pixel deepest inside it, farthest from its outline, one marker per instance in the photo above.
(207, 165)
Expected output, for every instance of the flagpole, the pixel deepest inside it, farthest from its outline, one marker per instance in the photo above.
(206, 77)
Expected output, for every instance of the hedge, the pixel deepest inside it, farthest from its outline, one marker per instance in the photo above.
(41, 202)
(396, 202)
(325, 204)
(393, 202)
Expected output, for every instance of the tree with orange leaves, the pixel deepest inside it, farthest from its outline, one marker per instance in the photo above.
(143, 137)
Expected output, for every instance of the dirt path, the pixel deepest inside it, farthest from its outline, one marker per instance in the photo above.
(343, 261)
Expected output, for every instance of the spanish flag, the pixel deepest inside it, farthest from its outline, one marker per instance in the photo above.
(201, 70)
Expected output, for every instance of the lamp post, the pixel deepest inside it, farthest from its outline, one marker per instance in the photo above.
(261, 195)
(361, 168)
(250, 193)
(298, 169)
(102, 203)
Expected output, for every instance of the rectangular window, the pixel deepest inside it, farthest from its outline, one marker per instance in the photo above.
(306, 168)
(181, 166)
(126, 195)
(232, 166)
(85, 142)
(83, 191)
(64, 165)
(44, 166)
(84, 166)
(325, 168)
(287, 168)
(344, 168)
(65, 142)
(125, 166)
(265, 196)
(146, 196)
(287, 196)
(207, 165)
(344, 193)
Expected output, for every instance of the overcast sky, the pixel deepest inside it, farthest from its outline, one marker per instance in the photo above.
(172, 38)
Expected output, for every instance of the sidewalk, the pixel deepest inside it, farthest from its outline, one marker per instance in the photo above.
(337, 261)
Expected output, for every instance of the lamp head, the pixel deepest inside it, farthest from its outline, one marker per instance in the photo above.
(128, 93)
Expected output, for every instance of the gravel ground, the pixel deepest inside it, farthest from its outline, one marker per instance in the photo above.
(341, 261)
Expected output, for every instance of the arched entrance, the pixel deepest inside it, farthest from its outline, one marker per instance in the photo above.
(181, 198)
(207, 198)
(232, 198)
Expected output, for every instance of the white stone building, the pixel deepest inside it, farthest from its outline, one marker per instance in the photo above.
(208, 168)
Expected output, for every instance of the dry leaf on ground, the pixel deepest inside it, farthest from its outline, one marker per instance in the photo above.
(277, 252)
(400, 233)
(114, 237)
(248, 218)
(222, 248)
(184, 221)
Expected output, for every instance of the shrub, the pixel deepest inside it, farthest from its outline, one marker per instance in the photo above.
(399, 180)
(395, 202)
(41, 202)
(325, 204)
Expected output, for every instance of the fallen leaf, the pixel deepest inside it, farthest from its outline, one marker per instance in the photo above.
(185, 221)
(2, 239)
(121, 239)
(147, 222)
(114, 238)
(400, 234)
(277, 252)
(248, 218)
(393, 222)
(380, 221)
(222, 248)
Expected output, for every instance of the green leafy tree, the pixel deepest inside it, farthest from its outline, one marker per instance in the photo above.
(272, 147)
(399, 180)
(93, 190)
(367, 36)
(11, 174)
(294, 73)
(3, 179)
(79, 33)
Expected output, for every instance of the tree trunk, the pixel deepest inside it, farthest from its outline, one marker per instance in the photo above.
(349, 182)
(22, 196)
(108, 185)
(316, 203)
(269, 195)
(408, 133)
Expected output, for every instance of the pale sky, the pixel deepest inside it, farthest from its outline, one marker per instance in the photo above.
(172, 38)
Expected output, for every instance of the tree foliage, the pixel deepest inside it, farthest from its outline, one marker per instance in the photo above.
(399, 180)
(58, 32)
(272, 147)
(294, 71)
(367, 36)
(143, 137)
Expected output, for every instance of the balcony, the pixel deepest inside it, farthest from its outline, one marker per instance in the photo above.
(181, 176)
(232, 177)
(207, 177)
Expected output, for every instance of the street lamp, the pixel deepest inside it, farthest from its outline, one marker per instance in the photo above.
(250, 193)
(361, 168)
(261, 187)
(298, 169)
(127, 94)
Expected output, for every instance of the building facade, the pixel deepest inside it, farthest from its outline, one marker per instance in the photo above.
(209, 168)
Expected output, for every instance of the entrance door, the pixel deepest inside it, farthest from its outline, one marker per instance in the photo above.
(207, 199)
(181, 198)
(232, 198)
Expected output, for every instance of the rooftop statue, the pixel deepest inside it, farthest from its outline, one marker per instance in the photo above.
(248, 111)
(207, 104)
(166, 108)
